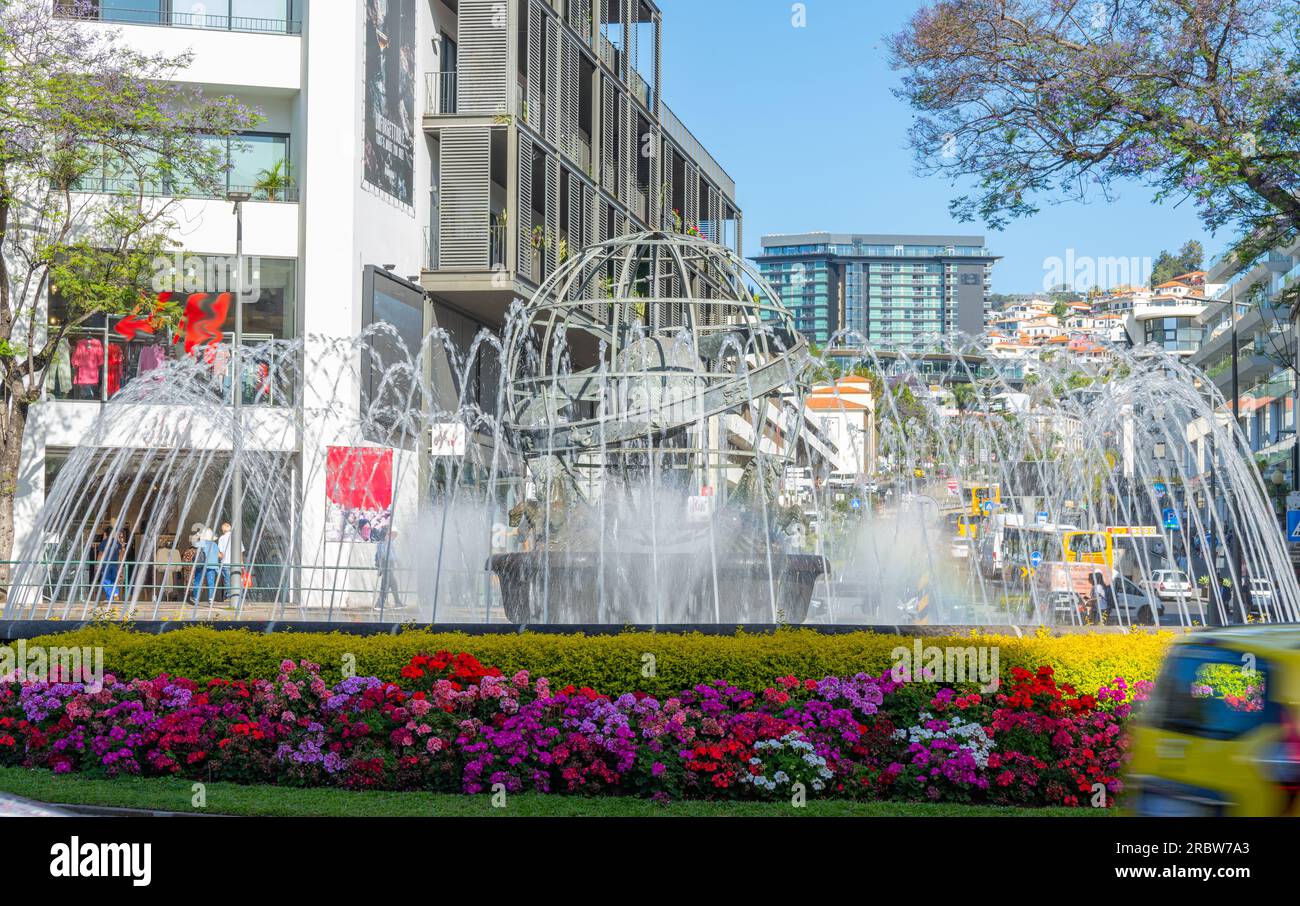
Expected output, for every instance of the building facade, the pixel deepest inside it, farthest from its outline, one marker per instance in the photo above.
(889, 290)
(421, 165)
(1246, 306)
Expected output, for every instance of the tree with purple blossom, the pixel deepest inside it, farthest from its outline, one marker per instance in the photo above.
(75, 103)
(1199, 99)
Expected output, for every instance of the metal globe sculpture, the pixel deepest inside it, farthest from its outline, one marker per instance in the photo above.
(653, 387)
(641, 337)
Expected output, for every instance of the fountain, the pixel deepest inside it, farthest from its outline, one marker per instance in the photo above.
(652, 391)
(638, 446)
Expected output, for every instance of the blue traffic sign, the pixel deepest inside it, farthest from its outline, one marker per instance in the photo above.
(1035, 558)
(1160, 487)
(1171, 518)
(987, 506)
(1293, 526)
(856, 503)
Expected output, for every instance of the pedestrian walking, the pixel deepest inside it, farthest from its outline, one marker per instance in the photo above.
(387, 561)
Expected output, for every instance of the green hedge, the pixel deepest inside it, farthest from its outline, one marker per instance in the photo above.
(612, 663)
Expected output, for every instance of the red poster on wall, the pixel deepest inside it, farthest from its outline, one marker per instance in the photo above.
(358, 493)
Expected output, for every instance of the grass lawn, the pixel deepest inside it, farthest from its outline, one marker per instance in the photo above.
(175, 795)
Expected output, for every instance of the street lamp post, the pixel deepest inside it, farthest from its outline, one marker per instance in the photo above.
(236, 551)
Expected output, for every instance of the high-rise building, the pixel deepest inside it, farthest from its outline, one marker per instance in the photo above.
(890, 290)
(424, 163)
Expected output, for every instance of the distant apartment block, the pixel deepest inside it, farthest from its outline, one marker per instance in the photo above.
(893, 290)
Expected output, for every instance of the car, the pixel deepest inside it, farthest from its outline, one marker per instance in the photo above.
(1220, 732)
(1260, 597)
(1135, 604)
(1169, 585)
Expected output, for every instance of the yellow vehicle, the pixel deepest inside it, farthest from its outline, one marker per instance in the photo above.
(984, 493)
(968, 527)
(1220, 734)
(1090, 547)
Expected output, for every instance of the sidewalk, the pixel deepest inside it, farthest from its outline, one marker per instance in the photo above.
(17, 807)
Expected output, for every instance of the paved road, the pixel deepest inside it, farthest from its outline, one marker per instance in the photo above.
(17, 807)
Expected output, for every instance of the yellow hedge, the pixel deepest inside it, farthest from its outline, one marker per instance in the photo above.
(654, 662)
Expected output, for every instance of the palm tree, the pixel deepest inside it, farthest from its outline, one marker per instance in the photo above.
(274, 180)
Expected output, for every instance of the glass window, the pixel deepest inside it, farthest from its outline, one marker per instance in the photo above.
(143, 12)
(259, 162)
(1210, 693)
(388, 377)
(97, 359)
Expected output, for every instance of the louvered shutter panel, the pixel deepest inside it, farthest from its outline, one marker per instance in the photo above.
(574, 226)
(609, 126)
(629, 40)
(590, 234)
(524, 218)
(715, 216)
(691, 216)
(658, 69)
(554, 103)
(667, 213)
(652, 189)
(552, 213)
(465, 209)
(481, 83)
(571, 93)
(536, 78)
(628, 147)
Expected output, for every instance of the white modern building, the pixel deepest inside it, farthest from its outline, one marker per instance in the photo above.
(420, 163)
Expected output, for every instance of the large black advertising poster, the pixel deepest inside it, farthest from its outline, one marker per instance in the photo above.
(389, 133)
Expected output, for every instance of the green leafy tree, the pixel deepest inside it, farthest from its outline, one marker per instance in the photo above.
(1167, 266)
(1199, 99)
(77, 104)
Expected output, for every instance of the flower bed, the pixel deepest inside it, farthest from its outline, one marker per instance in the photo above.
(611, 663)
(451, 724)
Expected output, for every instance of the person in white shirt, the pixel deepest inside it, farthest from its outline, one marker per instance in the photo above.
(232, 585)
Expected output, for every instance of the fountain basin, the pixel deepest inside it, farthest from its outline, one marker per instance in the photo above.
(590, 587)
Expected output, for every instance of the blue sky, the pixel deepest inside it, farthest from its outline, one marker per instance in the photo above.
(804, 120)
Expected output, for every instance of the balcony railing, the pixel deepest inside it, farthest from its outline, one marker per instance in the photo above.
(609, 54)
(496, 247)
(578, 147)
(439, 93)
(104, 185)
(580, 17)
(640, 89)
(534, 118)
(161, 14)
(687, 141)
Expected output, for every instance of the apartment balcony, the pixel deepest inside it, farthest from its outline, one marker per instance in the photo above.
(216, 15)
(608, 53)
(486, 292)
(580, 16)
(640, 204)
(577, 146)
(101, 185)
(534, 119)
(439, 93)
(641, 90)
(686, 140)
(496, 243)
